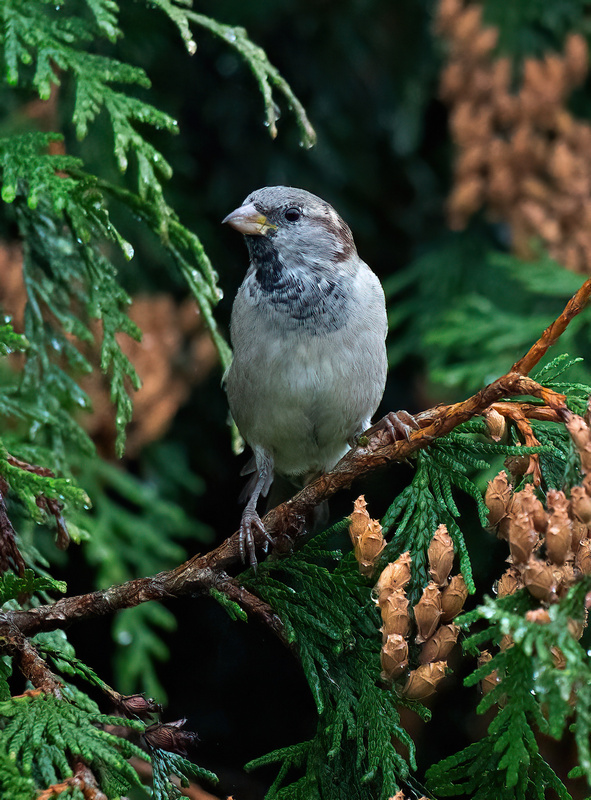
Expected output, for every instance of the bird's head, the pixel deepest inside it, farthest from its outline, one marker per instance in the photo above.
(294, 226)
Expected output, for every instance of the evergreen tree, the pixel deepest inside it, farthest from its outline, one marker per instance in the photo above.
(371, 610)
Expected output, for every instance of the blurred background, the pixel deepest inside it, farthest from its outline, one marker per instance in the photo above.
(471, 264)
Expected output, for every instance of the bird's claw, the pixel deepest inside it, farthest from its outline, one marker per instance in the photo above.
(400, 424)
(251, 525)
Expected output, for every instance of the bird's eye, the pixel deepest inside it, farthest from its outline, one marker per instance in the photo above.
(292, 214)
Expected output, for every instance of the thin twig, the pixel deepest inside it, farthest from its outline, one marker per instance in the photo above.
(553, 332)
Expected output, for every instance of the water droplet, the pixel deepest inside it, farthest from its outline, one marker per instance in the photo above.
(192, 47)
(128, 250)
(231, 36)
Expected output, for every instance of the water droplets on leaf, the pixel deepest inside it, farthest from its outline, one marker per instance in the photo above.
(191, 47)
(128, 250)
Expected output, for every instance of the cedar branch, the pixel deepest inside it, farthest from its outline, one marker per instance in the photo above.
(376, 450)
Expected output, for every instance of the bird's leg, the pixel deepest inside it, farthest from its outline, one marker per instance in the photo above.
(400, 424)
(251, 523)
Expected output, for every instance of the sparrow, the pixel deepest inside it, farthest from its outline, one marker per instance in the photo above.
(308, 330)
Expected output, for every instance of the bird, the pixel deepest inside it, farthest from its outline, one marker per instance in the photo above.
(308, 332)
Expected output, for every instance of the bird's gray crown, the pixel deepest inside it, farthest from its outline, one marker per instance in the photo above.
(318, 236)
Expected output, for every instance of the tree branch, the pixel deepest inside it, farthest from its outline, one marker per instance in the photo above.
(285, 522)
(30, 663)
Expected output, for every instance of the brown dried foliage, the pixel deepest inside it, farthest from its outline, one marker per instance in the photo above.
(521, 154)
(550, 547)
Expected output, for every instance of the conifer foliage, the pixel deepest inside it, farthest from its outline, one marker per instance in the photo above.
(54, 740)
(373, 610)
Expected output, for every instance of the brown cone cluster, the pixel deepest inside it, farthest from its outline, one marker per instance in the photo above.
(550, 548)
(521, 154)
(442, 600)
(366, 535)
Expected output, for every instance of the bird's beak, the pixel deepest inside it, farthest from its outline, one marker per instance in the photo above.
(249, 220)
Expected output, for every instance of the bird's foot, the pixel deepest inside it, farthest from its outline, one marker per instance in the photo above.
(400, 424)
(251, 525)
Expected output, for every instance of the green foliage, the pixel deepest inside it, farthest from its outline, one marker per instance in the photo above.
(75, 316)
(5, 673)
(62, 212)
(63, 220)
(471, 311)
(331, 620)
(534, 694)
(428, 501)
(532, 27)
(13, 783)
(165, 764)
(42, 732)
(466, 284)
(28, 486)
(124, 540)
(233, 609)
(12, 586)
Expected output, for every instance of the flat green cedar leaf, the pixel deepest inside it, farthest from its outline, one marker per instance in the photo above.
(165, 764)
(176, 10)
(12, 586)
(43, 727)
(105, 13)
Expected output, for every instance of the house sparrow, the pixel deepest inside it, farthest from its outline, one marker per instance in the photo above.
(308, 330)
